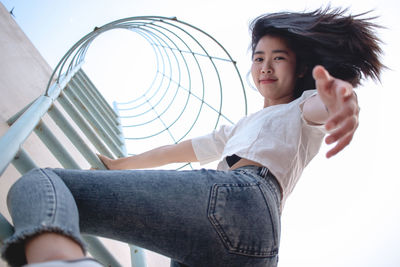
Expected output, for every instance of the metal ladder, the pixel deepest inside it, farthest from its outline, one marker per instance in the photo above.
(97, 121)
(174, 43)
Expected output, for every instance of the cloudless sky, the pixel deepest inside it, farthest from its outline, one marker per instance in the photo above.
(345, 210)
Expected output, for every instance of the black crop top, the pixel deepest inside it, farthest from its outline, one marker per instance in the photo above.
(231, 160)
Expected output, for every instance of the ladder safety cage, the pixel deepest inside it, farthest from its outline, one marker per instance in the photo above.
(191, 66)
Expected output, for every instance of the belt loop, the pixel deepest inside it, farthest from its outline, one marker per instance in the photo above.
(263, 172)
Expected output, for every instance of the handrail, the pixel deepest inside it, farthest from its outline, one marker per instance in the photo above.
(30, 120)
(178, 66)
(12, 140)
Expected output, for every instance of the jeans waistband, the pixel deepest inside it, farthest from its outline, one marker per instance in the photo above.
(265, 173)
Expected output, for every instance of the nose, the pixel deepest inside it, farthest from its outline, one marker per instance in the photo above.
(266, 68)
(268, 71)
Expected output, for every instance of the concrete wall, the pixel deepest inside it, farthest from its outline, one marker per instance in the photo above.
(24, 75)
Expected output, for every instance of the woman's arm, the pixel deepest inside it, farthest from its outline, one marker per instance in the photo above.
(336, 106)
(181, 152)
(315, 111)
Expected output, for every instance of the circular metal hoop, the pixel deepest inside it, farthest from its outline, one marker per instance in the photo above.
(196, 85)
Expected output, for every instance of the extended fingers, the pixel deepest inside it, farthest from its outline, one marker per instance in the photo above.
(342, 135)
(320, 74)
(322, 78)
(348, 127)
(104, 160)
(340, 145)
(344, 90)
(349, 111)
(344, 122)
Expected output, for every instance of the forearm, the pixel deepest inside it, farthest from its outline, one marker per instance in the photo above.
(341, 109)
(149, 159)
(315, 111)
(182, 152)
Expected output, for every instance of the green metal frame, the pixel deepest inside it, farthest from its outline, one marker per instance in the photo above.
(174, 43)
(30, 121)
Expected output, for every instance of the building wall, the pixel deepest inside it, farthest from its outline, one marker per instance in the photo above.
(24, 75)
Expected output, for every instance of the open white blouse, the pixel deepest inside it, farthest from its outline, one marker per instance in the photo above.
(278, 137)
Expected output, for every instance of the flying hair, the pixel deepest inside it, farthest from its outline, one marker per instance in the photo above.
(346, 45)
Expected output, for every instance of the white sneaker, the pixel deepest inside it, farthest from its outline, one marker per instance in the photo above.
(71, 263)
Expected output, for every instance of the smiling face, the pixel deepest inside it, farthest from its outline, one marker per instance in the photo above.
(274, 70)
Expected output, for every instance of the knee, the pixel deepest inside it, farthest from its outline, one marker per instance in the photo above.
(28, 178)
(24, 184)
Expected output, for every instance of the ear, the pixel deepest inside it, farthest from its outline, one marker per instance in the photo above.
(302, 71)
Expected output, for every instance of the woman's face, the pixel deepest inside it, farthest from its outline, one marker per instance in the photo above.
(274, 70)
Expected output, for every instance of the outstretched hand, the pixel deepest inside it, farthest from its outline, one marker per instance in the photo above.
(342, 106)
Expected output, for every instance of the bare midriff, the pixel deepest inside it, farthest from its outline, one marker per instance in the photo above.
(245, 162)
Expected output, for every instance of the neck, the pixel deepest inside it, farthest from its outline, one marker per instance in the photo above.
(272, 102)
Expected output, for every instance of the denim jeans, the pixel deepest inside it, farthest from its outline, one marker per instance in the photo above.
(197, 218)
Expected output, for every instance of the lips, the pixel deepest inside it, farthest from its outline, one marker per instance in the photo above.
(267, 80)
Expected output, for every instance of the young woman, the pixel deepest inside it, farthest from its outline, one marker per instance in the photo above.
(224, 217)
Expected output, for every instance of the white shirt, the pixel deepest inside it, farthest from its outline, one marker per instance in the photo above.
(278, 137)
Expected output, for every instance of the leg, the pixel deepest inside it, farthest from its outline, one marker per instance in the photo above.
(52, 246)
(164, 211)
(178, 213)
(39, 204)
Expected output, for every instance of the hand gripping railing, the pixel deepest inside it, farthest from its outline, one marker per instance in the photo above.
(30, 120)
(190, 65)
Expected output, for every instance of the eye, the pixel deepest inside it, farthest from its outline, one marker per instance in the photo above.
(258, 59)
(279, 58)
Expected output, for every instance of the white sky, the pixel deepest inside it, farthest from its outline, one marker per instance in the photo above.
(344, 211)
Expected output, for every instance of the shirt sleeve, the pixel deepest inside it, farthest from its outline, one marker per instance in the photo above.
(209, 147)
(306, 95)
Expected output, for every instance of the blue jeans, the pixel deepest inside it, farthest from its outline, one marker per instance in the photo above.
(197, 218)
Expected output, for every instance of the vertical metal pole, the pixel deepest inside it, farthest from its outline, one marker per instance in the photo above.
(55, 146)
(94, 123)
(74, 137)
(24, 163)
(107, 125)
(138, 257)
(100, 252)
(121, 135)
(6, 229)
(96, 92)
(11, 141)
(96, 101)
(83, 125)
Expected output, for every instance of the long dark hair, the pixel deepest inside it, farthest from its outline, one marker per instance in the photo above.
(347, 46)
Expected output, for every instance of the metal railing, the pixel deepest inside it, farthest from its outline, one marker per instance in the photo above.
(30, 120)
(180, 56)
